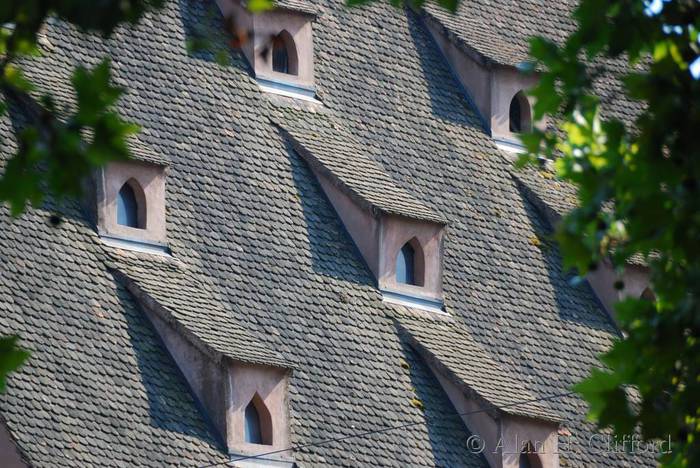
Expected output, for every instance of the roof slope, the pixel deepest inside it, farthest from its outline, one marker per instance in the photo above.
(499, 31)
(450, 348)
(332, 150)
(246, 214)
(189, 305)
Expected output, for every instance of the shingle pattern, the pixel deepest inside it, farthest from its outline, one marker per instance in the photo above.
(296, 5)
(190, 306)
(331, 149)
(450, 348)
(247, 216)
(499, 31)
(552, 196)
(143, 153)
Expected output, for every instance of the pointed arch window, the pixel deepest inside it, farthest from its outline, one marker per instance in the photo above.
(131, 205)
(519, 114)
(409, 264)
(529, 458)
(258, 422)
(284, 54)
(648, 295)
(253, 434)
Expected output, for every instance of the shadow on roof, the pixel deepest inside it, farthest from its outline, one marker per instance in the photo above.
(575, 303)
(332, 255)
(446, 430)
(171, 405)
(448, 100)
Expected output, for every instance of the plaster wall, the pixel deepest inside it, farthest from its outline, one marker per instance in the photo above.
(9, 455)
(260, 28)
(505, 84)
(516, 432)
(479, 424)
(636, 279)
(471, 72)
(206, 379)
(151, 179)
(244, 381)
(395, 231)
(359, 222)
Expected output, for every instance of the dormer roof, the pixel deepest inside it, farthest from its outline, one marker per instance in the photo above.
(187, 304)
(499, 30)
(299, 6)
(448, 347)
(331, 149)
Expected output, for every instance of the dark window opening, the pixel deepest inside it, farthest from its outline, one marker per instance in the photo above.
(127, 207)
(529, 457)
(519, 114)
(253, 434)
(405, 262)
(280, 57)
(258, 422)
(284, 54)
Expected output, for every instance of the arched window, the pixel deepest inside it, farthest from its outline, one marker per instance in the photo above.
(529, 458)
(519, 113)
(258, 422)
(131, 205)
(253, 435)
(648, 295)
(284, 54)
(409, 264)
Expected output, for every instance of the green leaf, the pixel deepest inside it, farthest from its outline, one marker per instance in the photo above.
(11, 357)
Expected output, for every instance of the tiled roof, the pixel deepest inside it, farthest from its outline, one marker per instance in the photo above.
(553, 196)
(332, 150)
(190, 306)
(450, 347)
(248, 219)
(297, 5)
(143, 153)
(499, 31)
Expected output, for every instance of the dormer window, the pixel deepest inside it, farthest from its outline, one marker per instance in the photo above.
(519, 114)
(278, 46)
(130, 207)
(284, 56)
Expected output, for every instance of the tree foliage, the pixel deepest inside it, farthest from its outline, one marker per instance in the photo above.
(638, 185)
(639, 195)
(57, 148)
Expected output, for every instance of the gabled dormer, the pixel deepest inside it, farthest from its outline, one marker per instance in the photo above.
(496, 85)
(239, 382)
(129, 201)
(278, 45)
(400, 237)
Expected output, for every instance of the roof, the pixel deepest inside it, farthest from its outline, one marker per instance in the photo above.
(247, 218)
(191, 306)
(450, 348)
(553, 196)
(332, 150)
(499, 32)
(300, 6)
